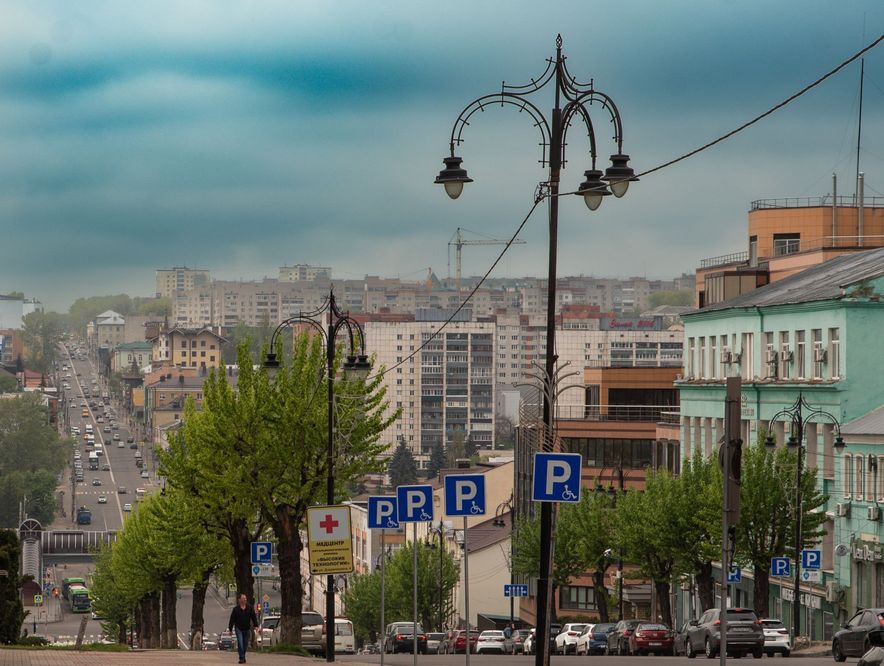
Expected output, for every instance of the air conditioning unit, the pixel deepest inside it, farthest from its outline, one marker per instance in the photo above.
(842, 510)
(786, 353)
(834, 592)
(819, 355)
(771, 356)
(736, 357)
(874, 513)
(726, 356)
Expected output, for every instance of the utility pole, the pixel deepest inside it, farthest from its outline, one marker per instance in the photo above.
(730, 456)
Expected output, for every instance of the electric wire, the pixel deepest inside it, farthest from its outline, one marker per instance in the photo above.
(542, 195)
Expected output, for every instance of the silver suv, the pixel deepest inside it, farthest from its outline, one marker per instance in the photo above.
(745, 634)
(312, 631)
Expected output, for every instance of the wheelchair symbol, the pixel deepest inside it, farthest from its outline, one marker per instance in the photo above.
(475, 509)
(425, 516)
(392, 523)
(568, 495)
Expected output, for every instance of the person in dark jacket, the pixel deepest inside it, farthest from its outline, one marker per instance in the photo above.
(242, 619)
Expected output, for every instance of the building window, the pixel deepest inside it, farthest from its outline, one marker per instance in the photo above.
(701, 358)
(770, 356)
(576, 597)
(713, 363)
(800, 356)
(847, 472)
(786, 244)
(834, 354)
(689, 361)
(785, 352)
(859, 464)
(747, 360)
(816, 336)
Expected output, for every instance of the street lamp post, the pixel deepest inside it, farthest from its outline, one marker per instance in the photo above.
(577, 98)
(799, 419)
(357, 366)
(440, 531)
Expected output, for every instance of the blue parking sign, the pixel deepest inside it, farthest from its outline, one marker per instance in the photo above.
(262, 552)
(465, 495)
(780, 566)
(556, 477)
(735, 575)
(382, 513)
(812, 560)
(415, 503)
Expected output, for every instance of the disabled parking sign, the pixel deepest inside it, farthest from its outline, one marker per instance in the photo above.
(382, 513)
(556, 477)
(465, 495)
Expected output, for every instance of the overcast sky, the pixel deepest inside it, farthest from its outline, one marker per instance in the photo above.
(240, 136)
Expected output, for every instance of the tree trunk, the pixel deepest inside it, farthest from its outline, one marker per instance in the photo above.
(291, 589)
(705, 585)
(241, 540)
(138, 619)
(760, 589)
(121, 633)
(197, 621)
(601, 594)
(169, 635)
(153, 619)
(144, 622)
(664, 608)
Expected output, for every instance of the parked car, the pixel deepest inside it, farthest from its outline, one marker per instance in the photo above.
(345, 642)
(651, 637)
(264, 633)
(456, 641)
(566, 640)
(852, 640)
(594, 638)
(744, 634)
(528, 645)
(519, 638)
(227, 641)
(618, 637)
(494, 640)
(400, 638)
(681, 636)
(875, 654)
(313, 632)
(554, 630)
(434, 639)
(776, 637)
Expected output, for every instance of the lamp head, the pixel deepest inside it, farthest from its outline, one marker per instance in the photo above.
(593, 189)
(271, 365)
(453, 176)
(793, 441)
(619, 174)
(770, 442)
(839, 443)
(357, 367)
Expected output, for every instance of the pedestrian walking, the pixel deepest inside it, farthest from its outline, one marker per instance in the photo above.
(242, 618)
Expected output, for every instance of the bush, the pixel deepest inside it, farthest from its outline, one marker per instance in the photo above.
(288, 649)
(32, 640)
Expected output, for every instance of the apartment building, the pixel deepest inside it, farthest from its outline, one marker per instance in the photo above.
(445, 390)
(305, 273)
(187, 348)
(173, 281)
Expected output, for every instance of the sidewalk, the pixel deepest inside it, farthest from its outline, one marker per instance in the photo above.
(144, 657)
(815, 649)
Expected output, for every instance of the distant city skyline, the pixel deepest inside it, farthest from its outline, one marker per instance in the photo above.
(240, 137)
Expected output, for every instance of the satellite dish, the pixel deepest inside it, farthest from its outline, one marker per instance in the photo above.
(841, 550)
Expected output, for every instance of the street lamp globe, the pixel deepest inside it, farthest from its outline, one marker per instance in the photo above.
(357, 367)
(619, 174)
(453, 176)
(593, 189)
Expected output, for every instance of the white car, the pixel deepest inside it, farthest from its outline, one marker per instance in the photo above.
(102, 499)
(566, 641)
(144, 474)
(127, 507)
(494, 641)
(120, 445)
(776, 637)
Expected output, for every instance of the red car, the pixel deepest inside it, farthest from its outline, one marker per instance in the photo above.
(456, 642)
(651, 637)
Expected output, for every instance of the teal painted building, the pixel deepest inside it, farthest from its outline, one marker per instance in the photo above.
(819, 332)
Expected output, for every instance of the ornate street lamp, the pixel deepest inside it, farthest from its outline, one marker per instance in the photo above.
(356, 367)
(578, 97)
(799, 419)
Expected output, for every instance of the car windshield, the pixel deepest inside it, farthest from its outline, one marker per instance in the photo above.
(773, 624)
(311, 619)
(741, 615)
(578, 627)
(492, 634)
(270, 623)
(653, 627)
(435, 637)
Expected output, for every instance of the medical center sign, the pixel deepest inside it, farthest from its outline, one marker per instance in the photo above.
(329, 539)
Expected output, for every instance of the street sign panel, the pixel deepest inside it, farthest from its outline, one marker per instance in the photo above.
(262, 570)
(329, 539)
(812, 560)
(517, 590)
(262, 552)
(382, 513)
(266, 607)
(265, 598)
(38, 599)
(465, 495)
(556, 477)
(415, 504)
(735, 575)
(812, 576)
(780, 566)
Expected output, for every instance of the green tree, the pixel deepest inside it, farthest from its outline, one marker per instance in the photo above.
(12, 613)
(108, 598)
(594, 532)
(84, 310)
(697, 512)
(8, 383)
(402, 467)
(152, 307)
(437, 461)
(767, 514)
(647, 530)
(673, 297)
(504, 432)
(41, 334)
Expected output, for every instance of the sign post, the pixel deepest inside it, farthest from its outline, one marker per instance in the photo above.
(465, 496)
(382, 514)
(415, 505)
(729, 457)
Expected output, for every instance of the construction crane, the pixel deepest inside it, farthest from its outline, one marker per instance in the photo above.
(458, 241)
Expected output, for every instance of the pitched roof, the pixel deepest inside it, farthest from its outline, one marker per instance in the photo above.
(487, 534)
(867, 424)
(142, 345)
(823, 282)
(107, 314)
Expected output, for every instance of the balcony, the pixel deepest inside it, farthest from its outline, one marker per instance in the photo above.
(725, 259)
(815, 202)
(652, 413)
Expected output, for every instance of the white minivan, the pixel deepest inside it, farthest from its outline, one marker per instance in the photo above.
(344, 640)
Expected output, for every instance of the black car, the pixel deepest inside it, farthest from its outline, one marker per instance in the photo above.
(853, 640)
(400, 638)
(618, 638)
(744, 634)
(875, 654)
(227, 641)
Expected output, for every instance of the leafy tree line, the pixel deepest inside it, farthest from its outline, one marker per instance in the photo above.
(41, 334)
(672, 529)
(84, 310)
(248, 465)
(31, 456)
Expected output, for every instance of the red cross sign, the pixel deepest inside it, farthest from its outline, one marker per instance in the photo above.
(329, 524)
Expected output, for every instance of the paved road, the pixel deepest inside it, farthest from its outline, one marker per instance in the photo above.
(22, 658)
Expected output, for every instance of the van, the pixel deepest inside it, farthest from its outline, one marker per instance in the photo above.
(344, 640)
